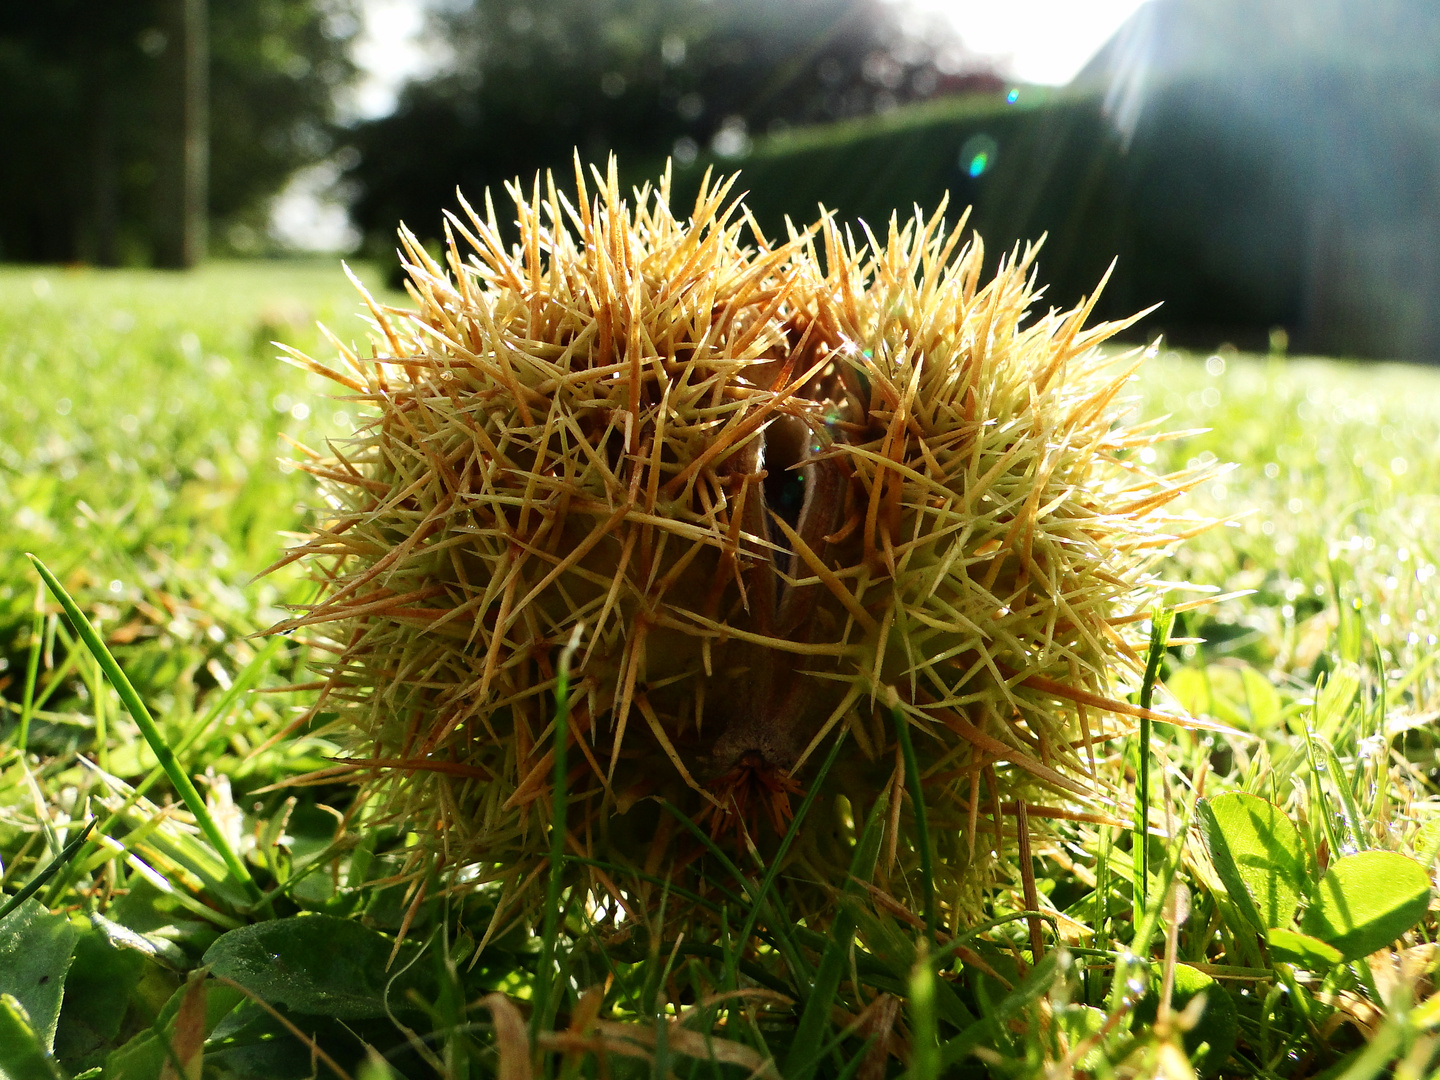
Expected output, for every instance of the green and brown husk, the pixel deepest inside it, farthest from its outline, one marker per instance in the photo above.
(781, 493)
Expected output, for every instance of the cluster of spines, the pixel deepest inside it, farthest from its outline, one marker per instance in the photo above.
(623, 368)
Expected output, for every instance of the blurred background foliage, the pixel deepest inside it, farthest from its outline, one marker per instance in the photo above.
(1268, 169)
(523, 85)
(84, 92)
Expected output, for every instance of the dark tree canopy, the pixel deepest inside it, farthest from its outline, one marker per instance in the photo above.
(82, 117)
(276, 66)
(528, 83)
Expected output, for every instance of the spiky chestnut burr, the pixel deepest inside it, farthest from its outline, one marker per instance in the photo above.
(778, 501)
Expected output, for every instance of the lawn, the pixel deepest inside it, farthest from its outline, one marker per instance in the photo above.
(142, 420)
(147, 434)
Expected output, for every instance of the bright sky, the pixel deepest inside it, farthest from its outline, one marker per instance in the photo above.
(1036, 41)
(388, 53)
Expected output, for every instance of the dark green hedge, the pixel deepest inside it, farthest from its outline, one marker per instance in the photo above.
(1239, 209)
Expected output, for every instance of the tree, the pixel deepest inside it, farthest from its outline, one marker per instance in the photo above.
(527, 84)
(276, 68)
(94, 122)
(182, 153)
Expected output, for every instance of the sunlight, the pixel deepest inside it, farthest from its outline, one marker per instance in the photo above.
(1036, 41)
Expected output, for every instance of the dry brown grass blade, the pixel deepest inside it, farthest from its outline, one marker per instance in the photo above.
(511, 1038)
(1027, 881)
(188, 1040)
(640, 1040)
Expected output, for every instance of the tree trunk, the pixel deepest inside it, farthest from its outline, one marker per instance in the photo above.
(183, 150)
(104, 175)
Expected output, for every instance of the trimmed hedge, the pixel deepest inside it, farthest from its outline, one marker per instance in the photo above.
(1239, 209)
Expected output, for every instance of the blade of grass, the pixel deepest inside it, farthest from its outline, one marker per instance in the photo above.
(650, 986)
(32, 667)
(731, 964)
(924, 1031)
(783, 945)
(1411, 676)
(558, 792)
(888, 959)
(1353, 822)
(1317, 793)
(1100, 920)
(800, 1063)
(773, 870)
(831, 1047)
(1380, 802)
(1376, 1058)
(1138, 953)
(922, 824)
(57, 674)
(141, 715)
(1159, 635)
(982, 1032)
(715, 952)
(853, 1066)
(655, 1005)
(37, 883)
(247, 678)
(760, 897)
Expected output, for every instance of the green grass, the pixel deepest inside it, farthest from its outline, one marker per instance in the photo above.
(141, 424)
(141, 418)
